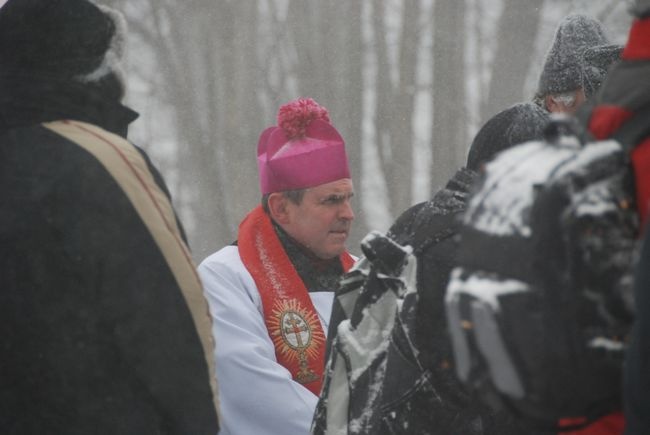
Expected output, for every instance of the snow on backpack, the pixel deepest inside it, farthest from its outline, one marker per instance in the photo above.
(538, 307)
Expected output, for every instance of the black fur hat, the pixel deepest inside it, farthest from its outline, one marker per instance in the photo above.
(517, 124)
(562, 70)
(65, 38)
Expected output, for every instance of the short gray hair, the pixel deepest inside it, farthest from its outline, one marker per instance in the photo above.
(566, 98)
(294, 196)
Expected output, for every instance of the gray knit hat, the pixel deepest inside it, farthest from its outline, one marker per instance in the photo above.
(562, 68)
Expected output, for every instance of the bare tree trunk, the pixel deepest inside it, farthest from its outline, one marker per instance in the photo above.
(201, 160)
(175, 48)
(402, 107)
(395, 102)
(449, 112)
(237, 107)
(210, 73)
(516, 36)
(383, 91)
(347, 87)
(310, 31)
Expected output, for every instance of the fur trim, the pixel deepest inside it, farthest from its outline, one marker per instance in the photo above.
(112, 62)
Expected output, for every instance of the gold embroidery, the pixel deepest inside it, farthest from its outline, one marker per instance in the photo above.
(296, 334)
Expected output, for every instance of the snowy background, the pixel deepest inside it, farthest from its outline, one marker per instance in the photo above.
(407, 84)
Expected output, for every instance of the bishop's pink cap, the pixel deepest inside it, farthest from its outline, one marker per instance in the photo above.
(304, 150)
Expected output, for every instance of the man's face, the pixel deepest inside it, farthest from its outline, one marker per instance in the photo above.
(557, 104)
(321, 222)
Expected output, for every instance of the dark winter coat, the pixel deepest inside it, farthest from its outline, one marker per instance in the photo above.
(418, 390)
(104, 329)
(430, 228)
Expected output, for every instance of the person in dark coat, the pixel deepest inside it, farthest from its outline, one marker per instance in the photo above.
(624, 96)
(517, 124)
(104, 326)
(418, 392)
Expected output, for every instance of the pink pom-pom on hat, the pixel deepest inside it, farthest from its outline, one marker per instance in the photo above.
(304, 150)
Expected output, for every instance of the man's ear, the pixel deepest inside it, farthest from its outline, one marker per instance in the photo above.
(278, 207)
(552, 105)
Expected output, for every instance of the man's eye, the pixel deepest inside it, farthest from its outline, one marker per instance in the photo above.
(336, 199)
(333, 199)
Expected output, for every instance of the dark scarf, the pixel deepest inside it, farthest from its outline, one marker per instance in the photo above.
(316, 273)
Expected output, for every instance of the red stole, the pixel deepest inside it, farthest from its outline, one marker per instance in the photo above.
(289, 314)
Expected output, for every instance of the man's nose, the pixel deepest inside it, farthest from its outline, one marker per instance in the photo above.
(345, 211)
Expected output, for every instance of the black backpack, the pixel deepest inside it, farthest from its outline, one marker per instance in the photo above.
(539, 307)
(388, 368)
